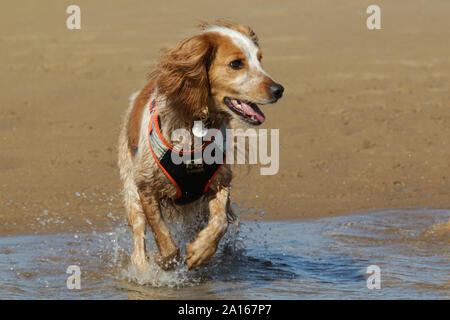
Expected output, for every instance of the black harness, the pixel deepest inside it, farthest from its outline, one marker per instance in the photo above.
(192, 176)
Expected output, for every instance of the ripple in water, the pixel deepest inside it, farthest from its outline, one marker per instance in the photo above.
(307, 259)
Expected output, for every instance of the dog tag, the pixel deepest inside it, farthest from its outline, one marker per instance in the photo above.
(198, 130)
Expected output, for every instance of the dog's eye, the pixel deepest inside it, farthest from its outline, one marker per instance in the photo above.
(236, 64)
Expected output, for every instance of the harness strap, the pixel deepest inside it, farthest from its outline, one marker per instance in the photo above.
(192, 179)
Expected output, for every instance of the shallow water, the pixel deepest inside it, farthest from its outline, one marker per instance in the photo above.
(309, 259)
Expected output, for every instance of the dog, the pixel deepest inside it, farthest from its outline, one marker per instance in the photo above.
(215, 77)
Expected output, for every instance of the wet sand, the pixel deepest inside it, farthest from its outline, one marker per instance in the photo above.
(364, 123)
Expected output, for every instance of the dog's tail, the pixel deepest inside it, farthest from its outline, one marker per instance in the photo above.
(126, 166)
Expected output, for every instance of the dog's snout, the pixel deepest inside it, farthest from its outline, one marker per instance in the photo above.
(276, 90)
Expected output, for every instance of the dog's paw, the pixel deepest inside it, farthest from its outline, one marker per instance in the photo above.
(140, 261)
(199, 252)
(169, 261)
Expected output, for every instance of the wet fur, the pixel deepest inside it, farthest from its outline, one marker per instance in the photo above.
(187, 86)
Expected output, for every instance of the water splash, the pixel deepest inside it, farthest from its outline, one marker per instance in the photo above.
(184, 231)
(317, 258)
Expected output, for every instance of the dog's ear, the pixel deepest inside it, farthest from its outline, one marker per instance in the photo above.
(182, 74)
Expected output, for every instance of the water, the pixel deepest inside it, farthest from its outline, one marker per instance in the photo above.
(308, 259)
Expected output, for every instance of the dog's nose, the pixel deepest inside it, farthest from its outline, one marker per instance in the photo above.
(276, 90)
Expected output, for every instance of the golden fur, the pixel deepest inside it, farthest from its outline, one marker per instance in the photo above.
(189, 82)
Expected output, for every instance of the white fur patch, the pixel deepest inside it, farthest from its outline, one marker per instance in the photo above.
(243, 42)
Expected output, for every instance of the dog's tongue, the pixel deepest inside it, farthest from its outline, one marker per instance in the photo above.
(252, 112)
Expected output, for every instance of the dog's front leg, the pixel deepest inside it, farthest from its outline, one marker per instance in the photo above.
(168, 251)
(207, 241)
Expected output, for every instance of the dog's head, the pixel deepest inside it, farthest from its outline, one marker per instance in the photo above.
(218, 68)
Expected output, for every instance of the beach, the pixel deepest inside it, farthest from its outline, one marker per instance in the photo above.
(364, 123)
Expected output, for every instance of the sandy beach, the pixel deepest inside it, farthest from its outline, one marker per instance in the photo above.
(364, 122)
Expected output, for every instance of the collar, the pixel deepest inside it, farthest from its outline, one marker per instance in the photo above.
(155, 126)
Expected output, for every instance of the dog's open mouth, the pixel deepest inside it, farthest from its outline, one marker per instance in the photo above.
(248, 111)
